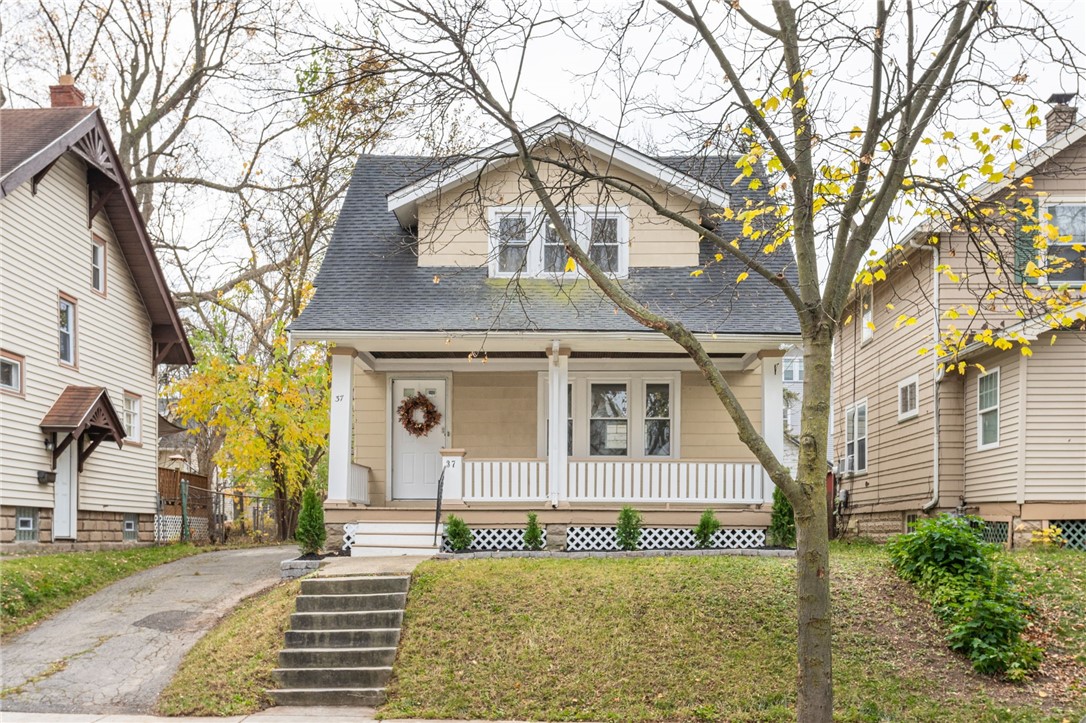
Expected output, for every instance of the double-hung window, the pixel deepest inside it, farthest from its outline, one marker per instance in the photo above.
(132, 418)
(1063, 260)
(524, 241)
(657, 419)
(609, 423)
(908, 399)
(988, 410)
(66, 330)
(867, 313)
(856, 436)
(98, 265)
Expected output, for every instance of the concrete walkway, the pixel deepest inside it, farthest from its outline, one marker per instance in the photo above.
(116, 650)
(377, 565)
(272, 715)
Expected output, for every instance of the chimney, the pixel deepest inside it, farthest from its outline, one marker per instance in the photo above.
(1062, 115)
(65, 95)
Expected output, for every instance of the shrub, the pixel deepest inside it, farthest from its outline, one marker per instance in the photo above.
(311, 534)
(782, 522)
(971, 590)
(1049, 537)
(533, 533)
(629, 528)
(458, 534)
(707, 527)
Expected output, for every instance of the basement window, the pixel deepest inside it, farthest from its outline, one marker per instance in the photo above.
(26, 524)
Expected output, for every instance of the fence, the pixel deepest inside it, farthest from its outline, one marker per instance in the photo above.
(189, 510)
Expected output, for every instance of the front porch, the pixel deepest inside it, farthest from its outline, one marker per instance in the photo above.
(572, 431)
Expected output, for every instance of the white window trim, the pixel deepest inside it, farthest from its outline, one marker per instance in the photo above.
(867, 316)
(534, 266)
(997, 409)
(73, 322)
(636, 383)
(134, 436)
(20, 379)
(915, 411)
(1045, 202)
(99, 243)
(867, 446)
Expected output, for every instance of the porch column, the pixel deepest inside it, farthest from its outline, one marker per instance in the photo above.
(557, 414)
(340, 428)
(772, 410)
(452, 466)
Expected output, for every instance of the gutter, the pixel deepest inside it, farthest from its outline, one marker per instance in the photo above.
(937, 371)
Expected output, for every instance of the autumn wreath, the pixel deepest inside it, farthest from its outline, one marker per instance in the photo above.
(418, 403)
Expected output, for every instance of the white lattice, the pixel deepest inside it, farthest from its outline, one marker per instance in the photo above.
(495, 538)
(349, 531)
(1074, 531)
(168, 528)
(579, 539)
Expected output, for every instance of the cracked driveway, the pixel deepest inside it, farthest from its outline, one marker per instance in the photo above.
(115, 651)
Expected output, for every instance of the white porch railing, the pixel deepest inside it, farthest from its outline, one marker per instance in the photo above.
(671, 481)
(505, 481)
(358, 486)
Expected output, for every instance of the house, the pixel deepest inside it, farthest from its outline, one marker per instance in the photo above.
(1006, 439)
(85, 320)
(442, 280)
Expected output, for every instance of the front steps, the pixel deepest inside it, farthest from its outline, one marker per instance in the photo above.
(342, 641)
(374, 539)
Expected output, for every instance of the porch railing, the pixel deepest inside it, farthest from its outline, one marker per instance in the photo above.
(358, 486)
(670, 481)
(505, 480)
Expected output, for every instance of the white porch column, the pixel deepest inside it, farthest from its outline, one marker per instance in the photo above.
(557, 429)
(452, 464)
(341, 424)
(772, 410)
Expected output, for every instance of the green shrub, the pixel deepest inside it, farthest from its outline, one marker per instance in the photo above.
(311, 534)
(782, 522)
(533, 533)
(458, 534)
(707, 527)
(629, 528)
(971, 590)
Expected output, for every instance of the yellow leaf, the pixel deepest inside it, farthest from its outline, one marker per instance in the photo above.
(719, 257)
(1026, 351)
(848, 320)
(948, 136)
(961, 367)
(922, 351)
(889, 307)
(571, 265)
(742, 277)
(980, 368)
(880, 275)
(697, 272)
(856, 133)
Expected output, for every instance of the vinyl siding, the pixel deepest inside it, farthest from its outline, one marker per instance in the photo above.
(1055, 416)
(370, 430)
(47, 250)
(494, 414)
(706, 430)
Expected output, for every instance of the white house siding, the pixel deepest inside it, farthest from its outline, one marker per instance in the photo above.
(47, 246)
(991, 475)
(1055, 415)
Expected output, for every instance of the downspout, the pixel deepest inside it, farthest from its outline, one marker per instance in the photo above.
(937, 371)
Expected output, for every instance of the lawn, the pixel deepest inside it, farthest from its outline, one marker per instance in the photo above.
(709, 639)
(36, 586)
(227, 672)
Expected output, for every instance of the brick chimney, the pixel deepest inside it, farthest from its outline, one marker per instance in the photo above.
(65, 95)
(1062, 115)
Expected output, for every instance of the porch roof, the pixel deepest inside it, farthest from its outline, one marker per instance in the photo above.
(370, 280)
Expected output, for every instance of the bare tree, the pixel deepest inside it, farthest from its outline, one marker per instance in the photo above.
(828, 106)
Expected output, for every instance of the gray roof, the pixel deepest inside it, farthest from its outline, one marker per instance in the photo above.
(370, 279)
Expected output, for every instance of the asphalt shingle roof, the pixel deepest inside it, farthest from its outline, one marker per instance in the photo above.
(24, 132)
(370, 279)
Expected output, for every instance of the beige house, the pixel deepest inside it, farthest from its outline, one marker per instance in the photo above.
(85, 320)
(1006, 440)
(442, 280)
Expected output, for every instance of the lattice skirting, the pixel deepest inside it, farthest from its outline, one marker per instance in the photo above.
(996, 532)
(580, 539)
(168, 528)
(1074, 531)
(495, 539)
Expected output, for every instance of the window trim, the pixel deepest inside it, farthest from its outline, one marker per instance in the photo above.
(645, 418)
(20, 360)
(35, 524)
(74, 331)
(867, 316)
(100, 243)
(132, 440)
(904, 416)
(981, 446)
(1045, 202)
(867, 447)
(534, 267)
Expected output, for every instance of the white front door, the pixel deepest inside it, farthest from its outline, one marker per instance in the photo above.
(416, 461)
(66, 494)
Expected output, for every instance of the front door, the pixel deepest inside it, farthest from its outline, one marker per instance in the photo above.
(416, 461)
(66, 494)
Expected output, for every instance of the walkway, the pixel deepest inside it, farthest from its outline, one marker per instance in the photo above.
(272, 715)
(115, 651)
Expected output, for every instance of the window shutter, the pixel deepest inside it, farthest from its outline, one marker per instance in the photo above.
(1023, 245)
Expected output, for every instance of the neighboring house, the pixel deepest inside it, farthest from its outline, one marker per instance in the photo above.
(85, 320)
(1007, 443)
(442, 279)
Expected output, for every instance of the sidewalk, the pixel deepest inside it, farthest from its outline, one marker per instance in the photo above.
(271, 715)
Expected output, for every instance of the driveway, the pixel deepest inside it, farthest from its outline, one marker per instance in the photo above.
(115, 651)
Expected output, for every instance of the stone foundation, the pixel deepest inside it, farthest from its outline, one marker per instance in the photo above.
(334, 540)
(95, 530)
(877, 526)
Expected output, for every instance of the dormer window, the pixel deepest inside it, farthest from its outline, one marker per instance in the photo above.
(523, 242)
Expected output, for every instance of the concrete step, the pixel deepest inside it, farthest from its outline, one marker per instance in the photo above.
(335, 677)
(362, 550)
(396, 539)
(335, 603)
(332, 657)
(355, 585)
(329, 696)
(347, 620)
(398, 528)
(372, 638)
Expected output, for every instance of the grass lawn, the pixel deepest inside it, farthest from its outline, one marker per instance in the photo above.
(710, 639)
(36, 586)
(227, 672)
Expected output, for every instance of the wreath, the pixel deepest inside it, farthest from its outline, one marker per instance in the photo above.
(430, 416)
